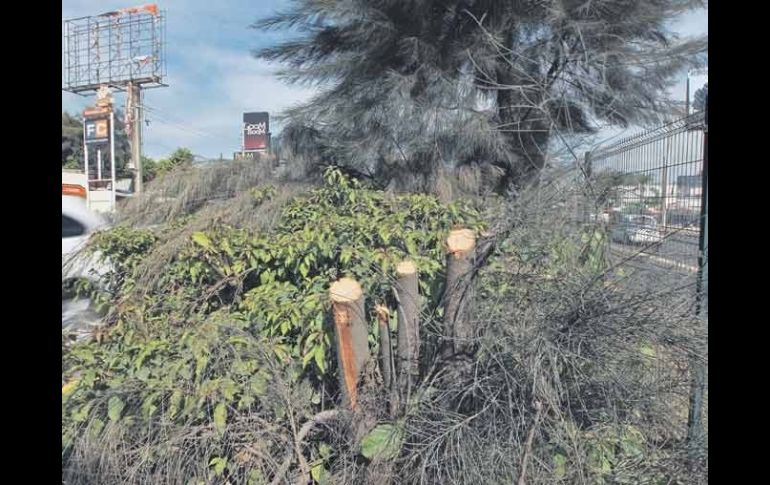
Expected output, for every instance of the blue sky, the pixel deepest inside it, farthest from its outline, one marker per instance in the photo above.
(213, 78)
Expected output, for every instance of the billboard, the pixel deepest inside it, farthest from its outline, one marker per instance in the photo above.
(256, 131)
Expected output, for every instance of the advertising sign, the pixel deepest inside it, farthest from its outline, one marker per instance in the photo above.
(97, 131)
(256, 131)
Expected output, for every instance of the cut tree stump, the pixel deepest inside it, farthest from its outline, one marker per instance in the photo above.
(408, 352)
(460, 246)
(386, 355)
(351, 335)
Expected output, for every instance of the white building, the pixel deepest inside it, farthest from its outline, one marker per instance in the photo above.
(98, 197)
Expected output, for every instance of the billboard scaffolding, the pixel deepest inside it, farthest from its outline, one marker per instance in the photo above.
(123, 50)
(114, 49)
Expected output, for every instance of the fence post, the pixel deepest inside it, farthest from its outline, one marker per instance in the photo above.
(699, 367)
(588, 196)
(352, 336)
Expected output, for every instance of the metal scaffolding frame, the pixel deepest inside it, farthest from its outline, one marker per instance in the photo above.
(124, 50)
(114, 49)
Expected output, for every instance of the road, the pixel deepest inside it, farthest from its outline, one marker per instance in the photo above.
(679, 250)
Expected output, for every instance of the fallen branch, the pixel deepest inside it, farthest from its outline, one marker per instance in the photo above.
(319, 418)
(528, 445)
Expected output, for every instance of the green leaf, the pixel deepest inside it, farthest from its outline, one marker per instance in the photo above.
(647, 351)
(148, 406)
(559, 466)
(174, 403)
(200, 364)
(219, 465)
(69, 387)
(237, 339)
(246, 402)
(259, 385)
(411, 247)
(320, 358)
(318, 472)
(220, 417)
(228, 389)
(202, 240)
(307, 358)
(115, 408)
(632, 442)
(97, 425)
(255, 477)
(324, 450)
(79, 415)
(383, 442)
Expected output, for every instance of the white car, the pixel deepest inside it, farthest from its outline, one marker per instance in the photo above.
(77, 225)
(636, 229)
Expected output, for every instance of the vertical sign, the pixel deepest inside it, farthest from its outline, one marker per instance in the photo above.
(256, 131)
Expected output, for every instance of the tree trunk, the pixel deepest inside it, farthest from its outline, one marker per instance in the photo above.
(524, 131)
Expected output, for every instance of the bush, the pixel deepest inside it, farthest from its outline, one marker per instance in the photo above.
(232, 315)
(219, 354)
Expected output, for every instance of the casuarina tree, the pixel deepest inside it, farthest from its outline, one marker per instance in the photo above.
(408, 88)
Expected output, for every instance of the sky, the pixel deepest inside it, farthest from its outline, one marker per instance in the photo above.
(213, 77)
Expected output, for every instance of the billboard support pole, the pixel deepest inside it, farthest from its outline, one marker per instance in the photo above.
(112, 161)
(99, 163)
(85, 165)
(135, 93)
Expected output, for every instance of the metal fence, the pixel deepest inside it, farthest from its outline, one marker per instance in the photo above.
(648, 190)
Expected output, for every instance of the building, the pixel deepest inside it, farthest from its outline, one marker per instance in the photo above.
(74, 183)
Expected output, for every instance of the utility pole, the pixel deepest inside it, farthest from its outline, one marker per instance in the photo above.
(135, 104)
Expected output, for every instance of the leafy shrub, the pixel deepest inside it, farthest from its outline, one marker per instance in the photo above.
(196, 348)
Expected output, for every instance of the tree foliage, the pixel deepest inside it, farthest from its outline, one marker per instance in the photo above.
(181, 157)
(699, 99)
(409, 87)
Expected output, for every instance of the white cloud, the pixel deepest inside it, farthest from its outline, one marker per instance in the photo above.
(206, 115)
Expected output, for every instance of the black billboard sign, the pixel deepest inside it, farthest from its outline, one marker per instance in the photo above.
(256, 131)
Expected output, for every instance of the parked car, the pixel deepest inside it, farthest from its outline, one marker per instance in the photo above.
(77, 226)
(600, 218)
(635, 229)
